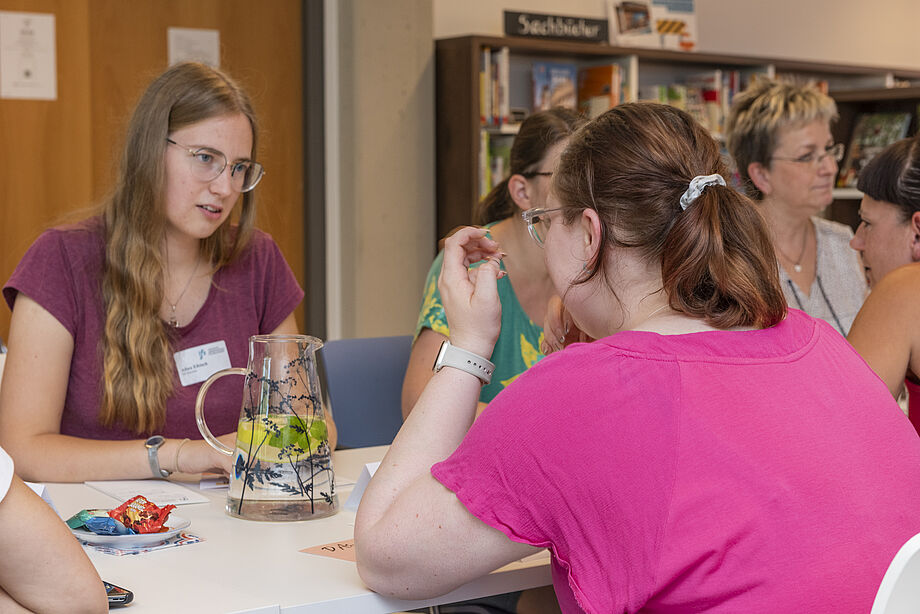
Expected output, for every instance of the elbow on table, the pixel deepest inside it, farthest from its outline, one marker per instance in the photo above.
(390, 576)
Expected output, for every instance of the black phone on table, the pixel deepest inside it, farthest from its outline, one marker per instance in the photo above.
(117, 595)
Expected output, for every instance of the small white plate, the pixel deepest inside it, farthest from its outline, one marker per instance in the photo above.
(175, 524)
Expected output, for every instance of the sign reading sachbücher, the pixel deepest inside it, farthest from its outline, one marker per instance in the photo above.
(560, 27)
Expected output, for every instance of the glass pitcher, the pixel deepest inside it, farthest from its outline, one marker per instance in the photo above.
(282, 464)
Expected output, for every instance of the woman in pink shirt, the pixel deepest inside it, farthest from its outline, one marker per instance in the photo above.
(709, 452)
(886, 331)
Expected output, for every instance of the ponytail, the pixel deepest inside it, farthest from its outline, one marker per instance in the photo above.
(717, 263)
(632, 165)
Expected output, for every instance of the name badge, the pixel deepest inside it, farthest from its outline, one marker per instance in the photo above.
(201, 362)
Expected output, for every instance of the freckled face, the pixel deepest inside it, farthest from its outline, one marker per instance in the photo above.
(882, 238)
(196, 208)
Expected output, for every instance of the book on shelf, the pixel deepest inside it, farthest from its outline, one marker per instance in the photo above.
(705, 96)
(494, 159)
(705, 99)
(554, 85)
(485, 86)
(872, 132)
(598, 89)
(662, 24)
(674, 94)
(494, 96)
(485, 168)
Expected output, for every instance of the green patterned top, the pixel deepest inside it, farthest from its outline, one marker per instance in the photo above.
(518, 345)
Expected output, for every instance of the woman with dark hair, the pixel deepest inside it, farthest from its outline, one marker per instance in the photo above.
(526, 290)
(711, 451)
(122, 316)
(886, 331)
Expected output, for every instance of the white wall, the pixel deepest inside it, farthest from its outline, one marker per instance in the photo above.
(863, 32)
(385, 142)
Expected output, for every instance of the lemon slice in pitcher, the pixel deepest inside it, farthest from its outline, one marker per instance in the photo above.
(275, 438)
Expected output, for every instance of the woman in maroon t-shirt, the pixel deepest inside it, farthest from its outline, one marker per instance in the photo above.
(103, 309)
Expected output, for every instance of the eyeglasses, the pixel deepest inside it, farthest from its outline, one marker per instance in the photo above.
(531, 174)
(207, 164)
(538, 223)
(814, 158)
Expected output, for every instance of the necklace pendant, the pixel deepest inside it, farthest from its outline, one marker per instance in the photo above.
(797, 268)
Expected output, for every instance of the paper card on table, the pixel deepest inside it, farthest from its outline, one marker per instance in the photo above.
(211, 481)
(358, 491)
(42, 491)
(182, 539)
(160, 492)
(344, 550)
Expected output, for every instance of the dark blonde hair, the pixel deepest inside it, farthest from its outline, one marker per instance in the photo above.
(631, 165)
(138, 374)
(761, 111)
(537, 134)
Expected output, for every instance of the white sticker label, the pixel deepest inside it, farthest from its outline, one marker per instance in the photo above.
(201, 362)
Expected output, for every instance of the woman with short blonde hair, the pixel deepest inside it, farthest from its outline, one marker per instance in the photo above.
(779, 136)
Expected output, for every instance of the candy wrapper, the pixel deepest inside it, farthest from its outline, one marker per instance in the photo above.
(142, 516)
(98, 522)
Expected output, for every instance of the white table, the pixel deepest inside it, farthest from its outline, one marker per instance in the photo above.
(256, 567)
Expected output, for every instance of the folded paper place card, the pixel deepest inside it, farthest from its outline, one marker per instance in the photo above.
(344, 550)
(358, 491)
(160, 492)
(210, 481)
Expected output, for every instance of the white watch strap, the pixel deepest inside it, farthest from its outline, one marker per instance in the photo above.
(458, 358)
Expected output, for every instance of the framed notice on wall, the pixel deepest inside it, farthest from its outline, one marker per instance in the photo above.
(193, 45)
(27, 56)
(662, 24)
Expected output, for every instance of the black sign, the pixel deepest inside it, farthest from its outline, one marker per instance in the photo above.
(558, 27)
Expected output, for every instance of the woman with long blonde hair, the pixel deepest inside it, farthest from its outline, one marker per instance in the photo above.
(119, 318)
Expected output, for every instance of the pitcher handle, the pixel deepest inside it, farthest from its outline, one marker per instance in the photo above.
(199, 409)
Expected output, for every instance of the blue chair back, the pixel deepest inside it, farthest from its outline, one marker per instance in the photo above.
(362, 385)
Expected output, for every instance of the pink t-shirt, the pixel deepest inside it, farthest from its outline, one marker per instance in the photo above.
(759, 471)
(253, 295)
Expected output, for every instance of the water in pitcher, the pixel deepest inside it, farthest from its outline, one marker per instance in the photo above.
(282, 468)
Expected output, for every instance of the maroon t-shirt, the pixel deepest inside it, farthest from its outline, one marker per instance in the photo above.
(251, 296)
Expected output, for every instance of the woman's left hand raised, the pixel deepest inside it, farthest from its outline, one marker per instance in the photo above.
(470, 295)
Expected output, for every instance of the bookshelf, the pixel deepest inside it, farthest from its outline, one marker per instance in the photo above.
(856, 89)
(850, 104)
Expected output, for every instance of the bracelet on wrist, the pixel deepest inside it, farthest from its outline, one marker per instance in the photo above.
(178, 449)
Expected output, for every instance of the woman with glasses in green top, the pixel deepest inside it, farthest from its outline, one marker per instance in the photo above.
(526, 289)
(779, 136)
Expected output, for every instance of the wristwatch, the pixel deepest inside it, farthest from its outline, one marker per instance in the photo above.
(153, 446)
(458, 358)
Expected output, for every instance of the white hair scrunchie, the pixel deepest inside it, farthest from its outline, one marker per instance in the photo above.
(697, 185)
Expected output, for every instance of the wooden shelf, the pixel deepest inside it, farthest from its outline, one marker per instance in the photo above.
(847, 194)
(855, 89)
(876, 95)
